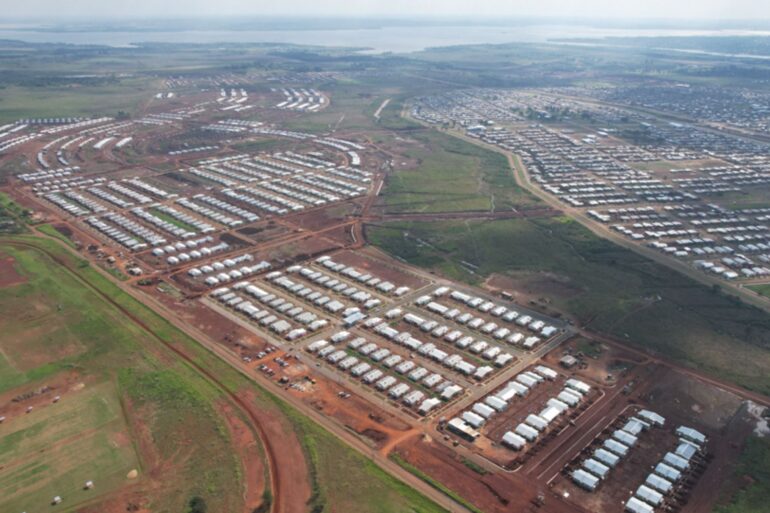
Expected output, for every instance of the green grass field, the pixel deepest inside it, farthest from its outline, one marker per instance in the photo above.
(57, 325)
(42, 452)
(655, 308)
(761, 289)
(173, 220)
(12, 216)
(452, 176)
(55, 101)
(756, 197)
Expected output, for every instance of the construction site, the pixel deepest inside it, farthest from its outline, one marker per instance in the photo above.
(255, 235)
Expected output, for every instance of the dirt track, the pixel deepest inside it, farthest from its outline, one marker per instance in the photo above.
(464, 215)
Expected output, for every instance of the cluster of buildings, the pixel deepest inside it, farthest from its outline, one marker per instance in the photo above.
(658, 183)
(302, 99)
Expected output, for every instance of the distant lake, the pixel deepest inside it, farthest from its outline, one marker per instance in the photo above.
(379, 40)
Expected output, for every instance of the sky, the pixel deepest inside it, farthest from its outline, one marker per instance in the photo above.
(631, 9)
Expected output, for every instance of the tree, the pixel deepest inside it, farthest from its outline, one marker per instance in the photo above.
(197, 505)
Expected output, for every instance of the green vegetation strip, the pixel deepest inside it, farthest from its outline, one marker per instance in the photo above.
(475, 467)
(344, 480)
(173, 220)
(12, 216)
(51, 231)
(761, 289)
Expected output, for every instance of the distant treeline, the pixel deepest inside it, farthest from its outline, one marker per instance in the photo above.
(746, 45)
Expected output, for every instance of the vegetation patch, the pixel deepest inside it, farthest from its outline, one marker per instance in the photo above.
(58, 447)
(755, 471)
(452, 175)
(761, 289)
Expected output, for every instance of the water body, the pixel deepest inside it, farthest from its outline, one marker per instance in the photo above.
(377, 40)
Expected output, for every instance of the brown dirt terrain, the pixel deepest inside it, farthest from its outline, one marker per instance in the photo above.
(492, 493)
(218, 327)
(300, 250)
(14, 402)
(263, 232)
(711, 487)
(382, 268)
(610, 360)
(354, 412)
(318, 219)
(8, 274)
(533, 286)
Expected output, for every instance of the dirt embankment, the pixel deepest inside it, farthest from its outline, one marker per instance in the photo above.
(247, 448)
(289, 470)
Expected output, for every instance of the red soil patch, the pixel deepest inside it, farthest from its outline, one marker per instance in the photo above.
(319, 219)
(8, 275)
(381, 266)
(492, 493)
(39, 395)
(246, 446)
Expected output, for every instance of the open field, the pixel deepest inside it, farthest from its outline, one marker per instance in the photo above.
(43, 453)
(756, 198)
(447, 175)
(40, 102)
(85, 433)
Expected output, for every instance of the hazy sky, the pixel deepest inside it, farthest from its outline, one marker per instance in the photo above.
(699, 9)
